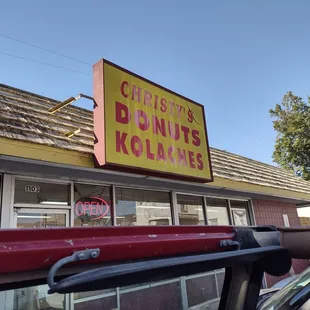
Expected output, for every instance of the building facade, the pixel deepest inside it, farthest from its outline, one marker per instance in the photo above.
(48, 179)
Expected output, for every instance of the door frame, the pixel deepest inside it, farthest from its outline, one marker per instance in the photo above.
(8, 296)
(39, 210)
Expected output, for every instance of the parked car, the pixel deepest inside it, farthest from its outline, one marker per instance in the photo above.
(268, 292)
(294, 295)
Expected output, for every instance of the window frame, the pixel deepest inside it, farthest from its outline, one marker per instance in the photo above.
(111, 193)
(203, 205)
(247, 209)
(172, 208)
(41, 180)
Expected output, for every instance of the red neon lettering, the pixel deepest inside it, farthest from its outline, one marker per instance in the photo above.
(93, 208)
(86, 206)
(103, 203)
(96, 207)
(124, 83)
(79, 208)
(99, 209)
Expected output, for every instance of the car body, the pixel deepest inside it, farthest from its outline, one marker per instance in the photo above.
(283, 297)
(268, 292)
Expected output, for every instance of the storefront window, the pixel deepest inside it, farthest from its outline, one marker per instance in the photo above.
(204, 290)
(107, 303)
(142, 207)
(190, 210)
(92, 205)
(31, 192)
(36, 297)
(240, 215)
(40, 220)
(104, 299)
(1, 193)
(164, 295)
(217, 211)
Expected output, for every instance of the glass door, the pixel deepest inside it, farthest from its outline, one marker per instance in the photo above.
(35, 298)
(40, 218)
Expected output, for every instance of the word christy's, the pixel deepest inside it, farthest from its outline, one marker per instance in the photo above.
(139, 95)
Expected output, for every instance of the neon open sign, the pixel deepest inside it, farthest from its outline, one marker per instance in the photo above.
(94, 207)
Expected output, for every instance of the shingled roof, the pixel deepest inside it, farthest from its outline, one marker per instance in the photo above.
(24, 116)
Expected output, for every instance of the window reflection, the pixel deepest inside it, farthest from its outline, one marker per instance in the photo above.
(40, 220)
(0, 194)
(239, 211)
(142, 207)
(164, 295)
(103, 299)
(36, 297)
(217, 211)
(190, 210)
(41, 193)
(106, 303)
(204, 290)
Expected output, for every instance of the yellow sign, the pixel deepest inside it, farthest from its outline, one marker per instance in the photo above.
(147, 127)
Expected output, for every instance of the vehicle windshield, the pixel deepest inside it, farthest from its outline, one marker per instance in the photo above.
(288, 292)
(192, 292)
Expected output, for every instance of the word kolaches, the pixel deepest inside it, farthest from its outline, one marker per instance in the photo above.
(158, 127)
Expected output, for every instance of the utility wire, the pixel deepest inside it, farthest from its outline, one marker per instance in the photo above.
(43, 49)
(43, 63)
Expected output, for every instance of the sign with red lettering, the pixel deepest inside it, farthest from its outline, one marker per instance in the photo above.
(142, 127)
(94, 208)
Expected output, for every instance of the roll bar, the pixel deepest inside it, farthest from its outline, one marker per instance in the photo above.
(85, 259)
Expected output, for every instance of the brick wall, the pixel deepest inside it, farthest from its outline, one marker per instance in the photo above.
(270, 212)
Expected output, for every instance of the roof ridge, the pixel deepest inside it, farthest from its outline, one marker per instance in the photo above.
(237, 167)
(247, 158)
(21, 92)
(24, 92)
(291, 174)
(52, 120)
(244, 162)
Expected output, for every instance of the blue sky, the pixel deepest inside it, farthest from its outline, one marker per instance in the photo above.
(238, 58)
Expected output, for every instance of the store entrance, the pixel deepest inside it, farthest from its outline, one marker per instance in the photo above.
(40, 218)
(35, 298)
